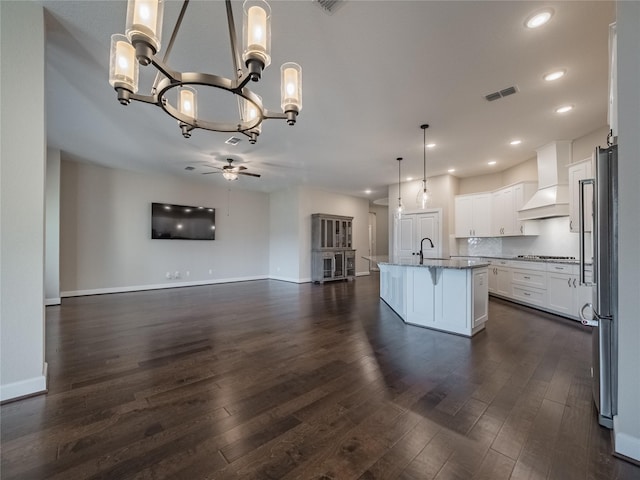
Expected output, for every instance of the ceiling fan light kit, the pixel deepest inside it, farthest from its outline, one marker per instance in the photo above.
(142, 43)
(229, 172)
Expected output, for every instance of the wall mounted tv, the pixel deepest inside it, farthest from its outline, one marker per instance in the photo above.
(181, 222)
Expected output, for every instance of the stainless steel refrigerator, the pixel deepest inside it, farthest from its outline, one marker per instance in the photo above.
(602, 312)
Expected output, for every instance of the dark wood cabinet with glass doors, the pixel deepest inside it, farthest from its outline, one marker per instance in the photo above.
(332, 256)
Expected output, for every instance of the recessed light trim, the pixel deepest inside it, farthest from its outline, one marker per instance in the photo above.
(564, 109)
(555, 75)
(492, 162)
(409, 179)
(539, 18)
(451, 170)
(515, 142)
(431, 145)
(367, 191)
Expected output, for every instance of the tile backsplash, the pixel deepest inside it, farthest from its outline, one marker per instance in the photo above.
(554, 239)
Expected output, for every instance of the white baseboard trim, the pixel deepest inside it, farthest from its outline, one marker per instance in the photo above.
(362, 274)
(290, 279)
(137, 288)
(52, 301)
(625, 444)
(25, 388)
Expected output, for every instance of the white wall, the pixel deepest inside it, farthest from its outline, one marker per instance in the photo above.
(52, 229)
(583, 147)
(284, 233)
(105, 237)
(22, 180)
(627, 422)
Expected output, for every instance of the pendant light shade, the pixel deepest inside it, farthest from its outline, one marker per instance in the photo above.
(424, 196)
(400, 207)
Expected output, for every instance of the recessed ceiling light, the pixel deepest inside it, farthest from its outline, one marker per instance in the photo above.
(492, 162)
(551, 76)
(515, 142)
(367, 191)
(564, 109)
(451, 170)
(431, 145)
(539, 18)
(409, 179)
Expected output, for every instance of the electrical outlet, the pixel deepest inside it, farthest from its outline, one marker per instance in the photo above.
(177, 274)
(168, 276)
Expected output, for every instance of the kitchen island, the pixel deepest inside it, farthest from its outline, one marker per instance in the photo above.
(447, 295)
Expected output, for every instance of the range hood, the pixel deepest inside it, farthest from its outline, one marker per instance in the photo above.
(552, 197)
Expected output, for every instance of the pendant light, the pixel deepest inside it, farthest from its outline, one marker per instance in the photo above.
(423, 195)
(400, 207)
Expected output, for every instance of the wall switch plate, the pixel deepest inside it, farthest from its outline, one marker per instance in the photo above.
(168, 275)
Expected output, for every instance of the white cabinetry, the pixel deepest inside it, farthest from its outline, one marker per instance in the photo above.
(580, 171)
(565, 295)
(473, 215)
(504, 210)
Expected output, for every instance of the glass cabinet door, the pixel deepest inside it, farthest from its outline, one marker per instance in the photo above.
(327, 266)
(339, 265)
(351, 265)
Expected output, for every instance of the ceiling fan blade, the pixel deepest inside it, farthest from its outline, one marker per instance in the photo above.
(209, 173)
(249, 174)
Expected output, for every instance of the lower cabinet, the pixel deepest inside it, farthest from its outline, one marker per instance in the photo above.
(333, 265)
(554, 287)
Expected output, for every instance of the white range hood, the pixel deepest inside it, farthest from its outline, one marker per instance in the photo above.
(552, 197)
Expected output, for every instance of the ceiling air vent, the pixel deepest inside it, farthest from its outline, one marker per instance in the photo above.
(189, 168)
(233, 141)
(505, 92)
(329, 6)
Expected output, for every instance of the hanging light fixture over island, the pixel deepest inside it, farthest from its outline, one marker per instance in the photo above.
(141, 45)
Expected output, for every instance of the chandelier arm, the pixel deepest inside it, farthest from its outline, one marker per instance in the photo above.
(152, 99)
(233, 41)
(270, 115)
(174, 34)
(172, 75)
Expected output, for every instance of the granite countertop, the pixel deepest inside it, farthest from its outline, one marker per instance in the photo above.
(519, 259)
(440, 263)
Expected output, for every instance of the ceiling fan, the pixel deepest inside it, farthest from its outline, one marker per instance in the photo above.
(229, 172)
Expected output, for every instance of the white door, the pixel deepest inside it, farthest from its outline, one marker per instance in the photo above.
(411, 229)
(372, 239)
(405, 239)
(428, 227)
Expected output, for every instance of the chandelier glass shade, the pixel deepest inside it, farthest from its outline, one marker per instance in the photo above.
(230, 175)
(424, 196)
(400, 207)
(141, 46)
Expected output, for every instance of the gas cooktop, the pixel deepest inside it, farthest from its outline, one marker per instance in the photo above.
(544, 257)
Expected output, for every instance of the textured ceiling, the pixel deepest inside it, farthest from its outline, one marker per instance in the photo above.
(372, 73)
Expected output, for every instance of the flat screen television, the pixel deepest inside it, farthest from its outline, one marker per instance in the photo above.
(181, 222)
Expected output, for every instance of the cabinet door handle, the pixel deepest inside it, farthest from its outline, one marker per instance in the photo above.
(569, 282)
(574, 283)
(528, 278)
(559, 268)
(526, 294)
(521, 228)
(570, 224)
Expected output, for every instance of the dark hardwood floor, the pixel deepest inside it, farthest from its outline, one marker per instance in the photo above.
(273, 380)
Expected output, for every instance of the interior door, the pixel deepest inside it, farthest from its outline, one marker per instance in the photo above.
(405, 239)
(428, 227)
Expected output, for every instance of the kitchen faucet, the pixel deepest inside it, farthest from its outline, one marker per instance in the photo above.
(421, 253)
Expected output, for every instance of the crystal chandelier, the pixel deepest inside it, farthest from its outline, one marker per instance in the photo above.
(141, 46)
(423, 194)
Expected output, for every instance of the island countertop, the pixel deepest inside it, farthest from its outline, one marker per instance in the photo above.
(458, 264)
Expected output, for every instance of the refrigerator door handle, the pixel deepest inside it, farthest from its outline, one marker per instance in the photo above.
(581, 229)
(590, 322)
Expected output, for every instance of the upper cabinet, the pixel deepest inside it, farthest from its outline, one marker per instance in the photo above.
(505, 205)
(580, 171)
(473, 215)
(494, 214)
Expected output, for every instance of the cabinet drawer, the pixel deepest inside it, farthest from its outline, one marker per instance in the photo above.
(562, 268)
(523, 265)
(531, 278)
(533, 296)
